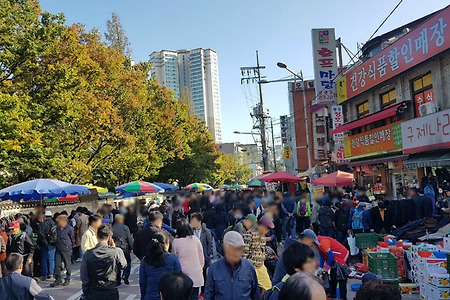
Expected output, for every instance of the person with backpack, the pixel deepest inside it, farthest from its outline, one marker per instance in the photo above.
(303, 212)
(20, 242)
(123, 239)
(341, 219)
(47, 241)
(325, 219)
(357, 223)
(297, 257)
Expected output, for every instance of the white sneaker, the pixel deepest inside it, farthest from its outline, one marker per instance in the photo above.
(79, 260)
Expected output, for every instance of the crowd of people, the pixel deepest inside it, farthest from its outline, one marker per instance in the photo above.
(209, 245)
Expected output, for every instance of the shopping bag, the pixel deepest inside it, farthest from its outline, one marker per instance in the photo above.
(352, 245)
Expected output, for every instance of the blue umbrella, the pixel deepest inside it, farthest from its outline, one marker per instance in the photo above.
(38, 189)
(166, 186)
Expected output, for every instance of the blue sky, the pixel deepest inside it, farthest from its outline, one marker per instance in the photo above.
(280, 30)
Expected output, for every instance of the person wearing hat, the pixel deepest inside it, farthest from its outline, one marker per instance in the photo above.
(358, 221)
(232, 277)
(20, 242)
(255, 250)
(249, 222)
(65, 242)
(330, 251)
(123, 239)
(47, 246)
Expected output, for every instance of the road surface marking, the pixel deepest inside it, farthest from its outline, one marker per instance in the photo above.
(75, 296)
(131, 297)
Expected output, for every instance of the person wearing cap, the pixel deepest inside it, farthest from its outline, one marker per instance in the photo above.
(65, 242)
(330, 251)
(249, 222)
(255, 250)
(358, 221)
(123, 239)
(20, 242)
(48, 249)
(232, 277)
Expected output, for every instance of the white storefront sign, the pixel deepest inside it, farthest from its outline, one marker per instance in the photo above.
(337, 118)
(428, 133)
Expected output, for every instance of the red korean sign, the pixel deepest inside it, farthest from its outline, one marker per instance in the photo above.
(427, 40)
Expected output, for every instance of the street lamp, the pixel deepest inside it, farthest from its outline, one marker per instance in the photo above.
(238, 132)
(282, 65)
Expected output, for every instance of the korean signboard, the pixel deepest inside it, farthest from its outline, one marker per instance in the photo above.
(427, 133)
(337, 118)
(425, 104)
(320, 134)
(385, 138)
(325, 65)
(427, 40)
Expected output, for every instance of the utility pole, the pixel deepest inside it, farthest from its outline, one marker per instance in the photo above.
(254, 74)
(273, 147)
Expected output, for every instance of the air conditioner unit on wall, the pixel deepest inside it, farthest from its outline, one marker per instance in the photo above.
(428, 108)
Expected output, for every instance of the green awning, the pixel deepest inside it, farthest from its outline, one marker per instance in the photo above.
(422, 160)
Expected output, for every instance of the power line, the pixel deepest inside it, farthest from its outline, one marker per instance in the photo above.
(351, 59)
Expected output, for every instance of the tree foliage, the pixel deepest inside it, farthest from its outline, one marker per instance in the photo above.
(72, 108)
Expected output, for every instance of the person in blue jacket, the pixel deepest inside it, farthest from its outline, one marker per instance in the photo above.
(288, 208)
(359, 219)
(232, 277)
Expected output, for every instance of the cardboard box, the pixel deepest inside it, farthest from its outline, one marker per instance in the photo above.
(437, 293)
(447, 243)
(433, 265)
(439, 280)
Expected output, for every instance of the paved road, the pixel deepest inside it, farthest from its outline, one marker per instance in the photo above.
(130, 292)
(73, 291)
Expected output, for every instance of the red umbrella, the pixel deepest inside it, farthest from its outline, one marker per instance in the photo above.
(338, 178)
(281, 176)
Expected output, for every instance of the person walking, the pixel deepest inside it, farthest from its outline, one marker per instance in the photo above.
(255, 250)
(144, 236)
(131, 220)
(232, 277)
(64, 244)
(303, 212)
(326, 219)
(155, 263)
(47, 241)
(288, 207)
(99, 272)
(20, 242)
(15, 285)
(123, 239)
(189, 250)
(81, 226)
(89, 239)
(4, 236)
(207, 241)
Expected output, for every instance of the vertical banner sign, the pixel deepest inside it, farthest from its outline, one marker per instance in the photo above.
(337, 118)
(325, 65)
(320, 134)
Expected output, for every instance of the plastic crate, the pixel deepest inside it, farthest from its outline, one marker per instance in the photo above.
(366, 240)
(384, 264)
(393, 283)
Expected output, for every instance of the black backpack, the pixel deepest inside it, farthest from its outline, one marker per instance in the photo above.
(326, 216)
(52, 235)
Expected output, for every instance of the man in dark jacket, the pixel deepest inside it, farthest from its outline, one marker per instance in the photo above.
(48, 250)
(131, 220)
(288, 207)
(64, 245)
(100, 267)
(232, 277)
(17, 286)
(143, 237)
(20, 242)
(422, 205)
(123, 239)
(206, 239)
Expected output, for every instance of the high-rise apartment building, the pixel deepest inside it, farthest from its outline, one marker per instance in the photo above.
(196, 73)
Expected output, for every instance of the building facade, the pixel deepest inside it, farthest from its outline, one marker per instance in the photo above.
(194, 73)
(294, 140)
(396, 106)
(247, 154)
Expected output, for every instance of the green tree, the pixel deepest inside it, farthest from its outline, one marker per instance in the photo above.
(115, 35)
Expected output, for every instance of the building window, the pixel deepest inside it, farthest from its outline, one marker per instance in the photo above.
(423, 95)
(363, 109)
(388, 98)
